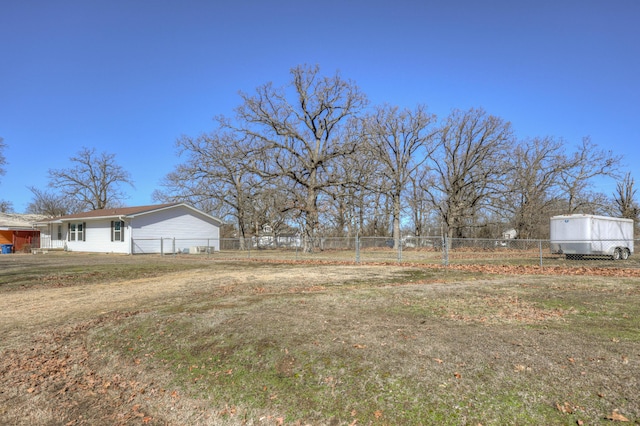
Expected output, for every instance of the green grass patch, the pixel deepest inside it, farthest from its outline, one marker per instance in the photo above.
(390, 355)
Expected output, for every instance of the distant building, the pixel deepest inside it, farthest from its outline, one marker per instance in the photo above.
(19, 231)
(509, 234)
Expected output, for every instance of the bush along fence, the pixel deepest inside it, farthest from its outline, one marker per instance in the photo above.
(426, 250)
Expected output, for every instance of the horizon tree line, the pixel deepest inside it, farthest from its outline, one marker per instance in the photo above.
(313, 156)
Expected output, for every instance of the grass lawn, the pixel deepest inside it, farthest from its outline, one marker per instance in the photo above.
(104, 339)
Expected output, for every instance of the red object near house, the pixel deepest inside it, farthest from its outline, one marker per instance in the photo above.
(21, 240)
(25, 240)
(17, 230)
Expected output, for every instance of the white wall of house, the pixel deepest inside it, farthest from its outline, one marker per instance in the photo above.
(175, 229)
(186, 226)
(97, 238)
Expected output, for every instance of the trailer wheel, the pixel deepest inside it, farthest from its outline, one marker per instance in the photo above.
(617, 254)
(624, 255)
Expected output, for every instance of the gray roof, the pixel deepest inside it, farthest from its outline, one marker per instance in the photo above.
(113, 212)
(122, 212)
(15, 221)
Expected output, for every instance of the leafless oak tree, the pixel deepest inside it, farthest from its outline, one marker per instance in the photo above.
(213, 177)
(304, 154)
(625, 199)
(3, 159)
(537, 165)
(5, 206)
(422, 211)
(94, 181)
(468, 167)
(587, 162)
(298, 134)
(50, 204)
(400, 141)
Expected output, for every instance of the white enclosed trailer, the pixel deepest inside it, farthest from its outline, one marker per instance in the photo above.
(578, 235)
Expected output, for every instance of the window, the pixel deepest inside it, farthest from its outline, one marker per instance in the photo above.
(117, 230)
(77, 231)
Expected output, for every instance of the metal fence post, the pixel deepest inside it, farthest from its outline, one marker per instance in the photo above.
(399, 250)
(173, 246)
(445, 251)
(357, 249)
(540, 251)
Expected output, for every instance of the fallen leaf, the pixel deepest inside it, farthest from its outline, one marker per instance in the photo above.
(564, 408)
(377, 414)
(357, 346)
(146, 419)
(457, 375)
(617, 417)
(438, 360)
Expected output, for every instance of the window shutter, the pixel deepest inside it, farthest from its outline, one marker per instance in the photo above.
(121, 230)
(84, 231)
(112, 227)
(69, 231)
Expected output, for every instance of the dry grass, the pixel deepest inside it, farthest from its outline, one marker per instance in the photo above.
(198, 341)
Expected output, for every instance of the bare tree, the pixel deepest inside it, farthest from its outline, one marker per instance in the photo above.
(5, 206)
(537, 165)
(588, 162)
(468, 167)
(421, 209)
(94, 181)
(401, 141)
(214, 178)
(349, 202)
(301, 134)
(3, 159)
(50, 204)
(625, 199)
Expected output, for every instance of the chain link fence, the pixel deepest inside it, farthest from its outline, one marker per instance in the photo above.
(425, 250)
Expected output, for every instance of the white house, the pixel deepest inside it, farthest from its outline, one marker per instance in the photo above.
(164, 228)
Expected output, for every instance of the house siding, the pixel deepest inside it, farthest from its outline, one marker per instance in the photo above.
(97, 238)
(187, 227)
(163, 230)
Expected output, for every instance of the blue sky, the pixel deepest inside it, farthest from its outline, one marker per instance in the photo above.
(130, 77)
